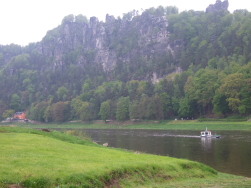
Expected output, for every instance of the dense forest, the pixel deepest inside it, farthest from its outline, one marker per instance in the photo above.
(158, 65)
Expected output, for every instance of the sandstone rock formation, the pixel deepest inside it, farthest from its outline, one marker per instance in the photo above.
(218, 6)
(105, 42)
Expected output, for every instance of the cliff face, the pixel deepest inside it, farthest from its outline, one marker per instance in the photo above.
(108, 43)
(132, 43)
(218, 6)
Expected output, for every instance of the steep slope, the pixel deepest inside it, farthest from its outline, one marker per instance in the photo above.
(91, 61)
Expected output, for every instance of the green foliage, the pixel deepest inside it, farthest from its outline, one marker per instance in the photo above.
(187, 108)
(62, 91)
(3, 107)
(58, 112)
(76, 104)
(38, 111)
(105, 110)
(163, 11)
(68, 19)
(86, 87)
(231, 88)
(86, 111)
(134, 110)
(48, 114)
(122, 112)
(19, 62)
(204, 84)
(15, 102)
(220, 104)
(81, 19)
(212, 49)
(8, 114)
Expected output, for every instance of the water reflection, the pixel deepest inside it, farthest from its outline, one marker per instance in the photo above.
(206, 144)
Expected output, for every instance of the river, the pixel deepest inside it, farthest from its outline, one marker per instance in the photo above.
(230, 154)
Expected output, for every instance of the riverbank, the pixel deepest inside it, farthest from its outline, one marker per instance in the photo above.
(161, 125)
(36, 158)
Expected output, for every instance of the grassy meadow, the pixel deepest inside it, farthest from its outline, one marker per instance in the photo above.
(34, 158)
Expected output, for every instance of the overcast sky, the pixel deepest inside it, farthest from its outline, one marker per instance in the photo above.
(25, 21)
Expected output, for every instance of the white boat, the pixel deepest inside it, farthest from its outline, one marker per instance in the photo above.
(208, 134)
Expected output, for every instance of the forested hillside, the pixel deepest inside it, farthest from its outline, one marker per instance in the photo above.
(152, 65)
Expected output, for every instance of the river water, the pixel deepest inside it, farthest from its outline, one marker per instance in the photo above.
(230, 154)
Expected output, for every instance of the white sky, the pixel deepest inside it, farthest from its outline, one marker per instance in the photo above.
(25, 21)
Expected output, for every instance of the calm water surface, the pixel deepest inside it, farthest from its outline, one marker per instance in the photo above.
(229, 154)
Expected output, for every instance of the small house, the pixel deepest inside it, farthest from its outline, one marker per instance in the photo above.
(19, 115)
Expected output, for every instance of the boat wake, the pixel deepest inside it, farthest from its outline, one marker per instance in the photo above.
(170, 135)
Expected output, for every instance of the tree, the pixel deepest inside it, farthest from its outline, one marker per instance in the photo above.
(187, 107)
(33, 112)
(132, 89)
(151, 109)
(143, 103)
(87, 85)
(134, 110)
(86, 112)
(204, 85)
(245, 106)
(159, 104)
(105, 110)
(42, 113)
(165, 100)
(37, 111)
(169, 10)
(3, 107)
(62, 91)
(149, 88)
(48, 114)
(122, 112)
(76, 104)
(220, 104)
(81, 19)
(190, 88)
(231, 88)
(68, 19)
(25, 99)
(58, 111)
(67, 110)
(8, 114)
(15, 102)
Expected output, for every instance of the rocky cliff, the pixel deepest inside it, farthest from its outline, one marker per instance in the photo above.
(144, 46)
(107, 43)
(218, 6)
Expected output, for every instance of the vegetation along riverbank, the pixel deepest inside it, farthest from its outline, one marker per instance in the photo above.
(165, 125)
(35, 158)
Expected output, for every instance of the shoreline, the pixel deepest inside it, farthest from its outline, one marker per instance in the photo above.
(155, 125)
(125, 169)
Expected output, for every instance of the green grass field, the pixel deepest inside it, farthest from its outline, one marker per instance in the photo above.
(165, 125)
(33, 158)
